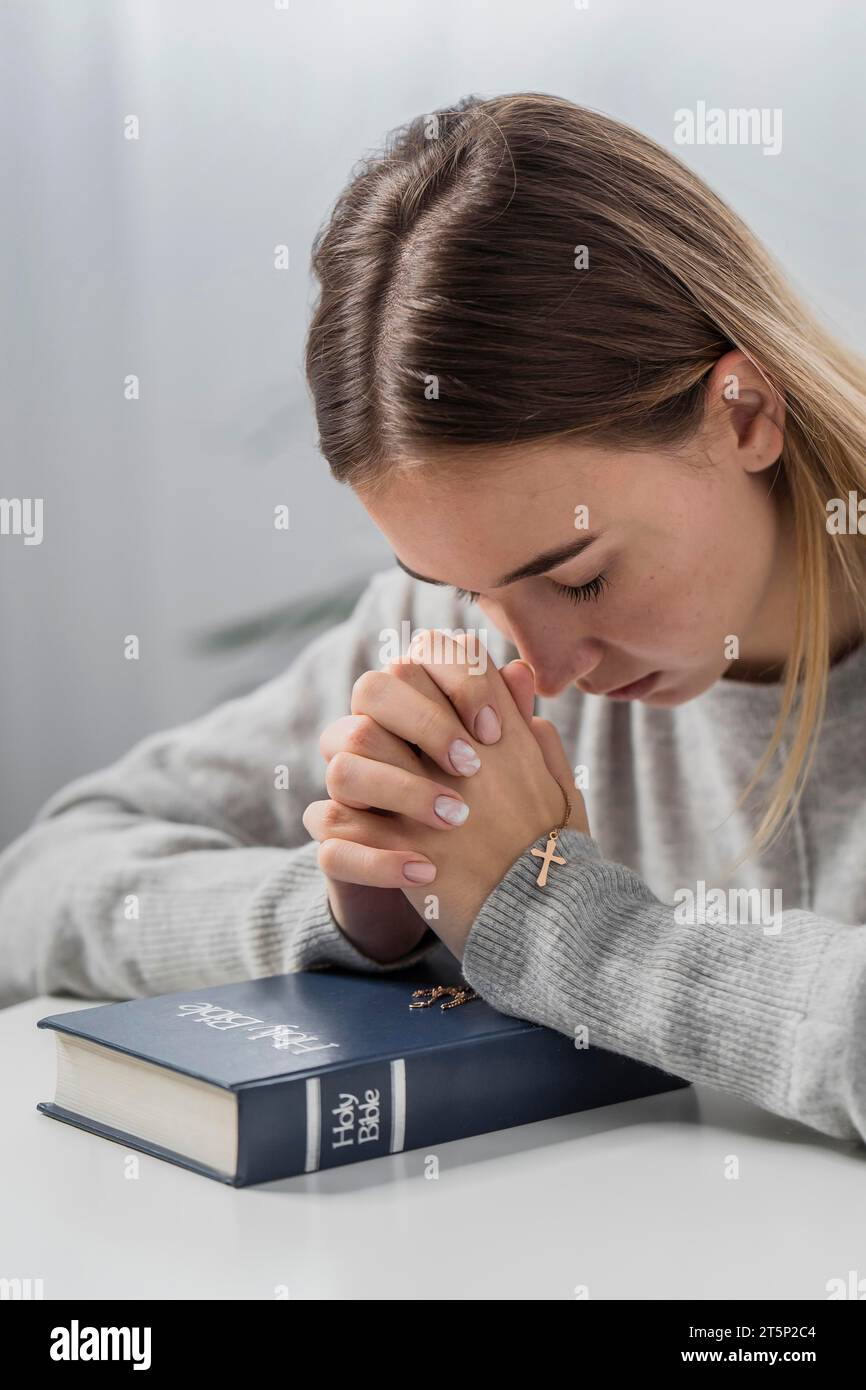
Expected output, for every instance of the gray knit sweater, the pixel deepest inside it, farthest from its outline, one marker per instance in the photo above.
(183, 864)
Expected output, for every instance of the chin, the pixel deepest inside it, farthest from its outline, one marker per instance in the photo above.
(680, 690)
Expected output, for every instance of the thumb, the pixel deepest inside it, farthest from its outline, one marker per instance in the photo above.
(548, 740)
(520, 679)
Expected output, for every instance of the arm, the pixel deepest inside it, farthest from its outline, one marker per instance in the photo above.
(123, 885)
(779, 1020)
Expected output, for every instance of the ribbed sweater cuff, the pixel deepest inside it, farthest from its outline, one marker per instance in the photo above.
(308, 930)
(718, 1005)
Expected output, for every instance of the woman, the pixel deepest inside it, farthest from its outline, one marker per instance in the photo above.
(561, 374)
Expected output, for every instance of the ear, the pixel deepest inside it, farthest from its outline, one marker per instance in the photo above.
(750, 414)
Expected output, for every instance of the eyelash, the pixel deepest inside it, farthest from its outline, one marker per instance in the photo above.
(592, 589)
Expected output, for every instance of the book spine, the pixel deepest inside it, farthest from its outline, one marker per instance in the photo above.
(340, 1115)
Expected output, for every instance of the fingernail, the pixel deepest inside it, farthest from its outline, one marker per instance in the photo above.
(449, 809)
(417, 872)
(487, 725)
(463, 757)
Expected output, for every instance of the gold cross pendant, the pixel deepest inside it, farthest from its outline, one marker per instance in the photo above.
(549, 855)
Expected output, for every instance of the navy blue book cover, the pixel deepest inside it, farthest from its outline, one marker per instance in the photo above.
(330, 1067)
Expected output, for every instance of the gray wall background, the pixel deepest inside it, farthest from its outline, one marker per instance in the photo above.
(155, 257)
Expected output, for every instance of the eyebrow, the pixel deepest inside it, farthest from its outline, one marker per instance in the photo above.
(540, 565)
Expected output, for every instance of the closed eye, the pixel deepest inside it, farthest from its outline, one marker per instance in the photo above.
(593, 588)
(577, 593)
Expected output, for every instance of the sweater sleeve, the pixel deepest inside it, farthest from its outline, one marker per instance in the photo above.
(775, 1015)
(124, 885)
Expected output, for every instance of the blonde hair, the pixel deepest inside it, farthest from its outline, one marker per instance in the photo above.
(454, 246)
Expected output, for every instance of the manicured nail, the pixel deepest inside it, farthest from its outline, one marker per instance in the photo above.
(463, 757)
(449, 809)
(487, 725)
(418, 872)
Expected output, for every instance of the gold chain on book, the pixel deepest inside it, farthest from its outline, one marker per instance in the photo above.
(463, 994)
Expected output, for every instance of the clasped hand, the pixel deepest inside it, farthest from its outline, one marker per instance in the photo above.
(438, 780)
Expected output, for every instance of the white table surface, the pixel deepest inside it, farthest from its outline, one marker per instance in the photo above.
(630, 1201)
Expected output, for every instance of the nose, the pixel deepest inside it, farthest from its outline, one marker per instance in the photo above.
(558, 656)
(558, 667)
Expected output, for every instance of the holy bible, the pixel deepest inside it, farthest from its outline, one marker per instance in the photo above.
(290, 1074)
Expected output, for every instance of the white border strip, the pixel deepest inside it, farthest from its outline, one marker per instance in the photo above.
(398, 1104)
(314, 1124)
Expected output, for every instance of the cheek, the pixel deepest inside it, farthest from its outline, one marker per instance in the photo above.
(673, 607)
(696, 604)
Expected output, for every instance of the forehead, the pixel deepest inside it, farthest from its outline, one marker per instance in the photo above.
(476, 517)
